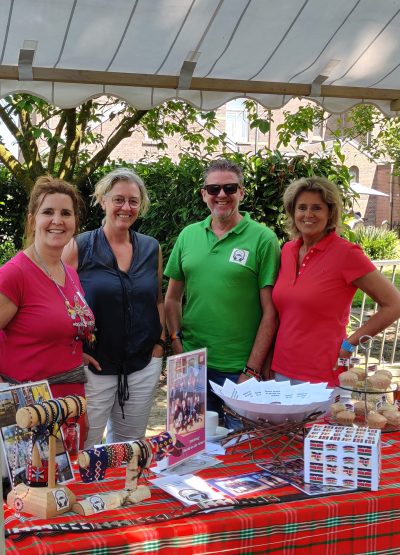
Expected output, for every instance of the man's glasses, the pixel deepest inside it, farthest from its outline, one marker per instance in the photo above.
(229, 189)
(119, 201)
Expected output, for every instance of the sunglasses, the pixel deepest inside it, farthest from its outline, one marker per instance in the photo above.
(229, 189)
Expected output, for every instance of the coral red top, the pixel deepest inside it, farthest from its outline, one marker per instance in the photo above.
(314, 306)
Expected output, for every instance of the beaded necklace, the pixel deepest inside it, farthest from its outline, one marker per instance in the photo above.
(79, 312)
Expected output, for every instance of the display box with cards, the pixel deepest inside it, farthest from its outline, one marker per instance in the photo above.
(343, 456)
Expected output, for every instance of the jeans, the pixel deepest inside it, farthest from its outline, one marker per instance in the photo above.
(215, 403)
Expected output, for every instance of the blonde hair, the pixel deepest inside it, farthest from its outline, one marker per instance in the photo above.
(329, 193)
(106, 183)
(47, 185)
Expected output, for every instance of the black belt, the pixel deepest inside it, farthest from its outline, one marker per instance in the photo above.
(201, 507)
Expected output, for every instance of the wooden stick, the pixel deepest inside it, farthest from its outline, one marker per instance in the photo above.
(52, 462)
(36, 460)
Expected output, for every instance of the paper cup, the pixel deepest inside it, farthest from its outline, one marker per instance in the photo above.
(211, 423)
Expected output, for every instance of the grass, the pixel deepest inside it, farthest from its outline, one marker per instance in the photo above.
(369, 303)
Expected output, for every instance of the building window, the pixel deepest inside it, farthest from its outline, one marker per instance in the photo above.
(318, 129)
(237, 123)
(354, 174)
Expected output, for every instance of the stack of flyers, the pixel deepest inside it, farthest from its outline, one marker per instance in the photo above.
(292, 471)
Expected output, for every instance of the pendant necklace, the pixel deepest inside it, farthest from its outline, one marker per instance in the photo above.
(79, 311)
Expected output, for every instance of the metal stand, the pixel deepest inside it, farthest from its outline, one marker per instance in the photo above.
(286, 437)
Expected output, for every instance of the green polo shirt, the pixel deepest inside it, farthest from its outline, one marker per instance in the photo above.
(223, 278)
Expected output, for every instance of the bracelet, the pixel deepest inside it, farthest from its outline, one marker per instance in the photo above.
(251, 373)
(162, 343)
(346, 346)
(176, 335)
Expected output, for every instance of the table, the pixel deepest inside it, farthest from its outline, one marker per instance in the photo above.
(354, 523)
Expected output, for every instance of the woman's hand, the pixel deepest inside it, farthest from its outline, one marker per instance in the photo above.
(342, 354)
(158, 351)
(177, 346)
(87, 359)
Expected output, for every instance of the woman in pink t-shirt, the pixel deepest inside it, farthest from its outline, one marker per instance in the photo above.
(319, 275)
(43, 315)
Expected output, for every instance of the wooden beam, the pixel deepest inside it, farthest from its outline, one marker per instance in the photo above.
(89, 77)
(395, 105)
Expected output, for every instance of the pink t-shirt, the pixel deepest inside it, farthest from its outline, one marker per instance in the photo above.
(39, 341)
(314, 306)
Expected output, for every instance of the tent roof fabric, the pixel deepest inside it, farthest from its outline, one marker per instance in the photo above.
(363, 190)
(206, 52)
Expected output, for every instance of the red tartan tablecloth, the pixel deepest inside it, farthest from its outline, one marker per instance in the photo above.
(357, 523)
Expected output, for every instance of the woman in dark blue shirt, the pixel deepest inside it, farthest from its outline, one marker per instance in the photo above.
(121, 272)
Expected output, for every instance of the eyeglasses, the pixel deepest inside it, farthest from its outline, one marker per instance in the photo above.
(229, 189)
(119, 201)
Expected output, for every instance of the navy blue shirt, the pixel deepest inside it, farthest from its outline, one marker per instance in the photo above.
(124, 303)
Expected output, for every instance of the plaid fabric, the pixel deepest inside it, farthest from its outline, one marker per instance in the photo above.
(361, 523)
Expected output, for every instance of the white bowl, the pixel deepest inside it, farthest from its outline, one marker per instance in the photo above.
(276, 413)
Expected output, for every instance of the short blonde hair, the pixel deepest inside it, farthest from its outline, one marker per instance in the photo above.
(106, 183)
(329, 193)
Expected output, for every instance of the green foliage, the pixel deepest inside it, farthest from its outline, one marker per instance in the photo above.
(7, 251)
(298, 123)
(378, 135)
(178, 118)
(176, 200)
(174, 190)
(377, 243)
(255, 121)
(13, 204)
(69, 143)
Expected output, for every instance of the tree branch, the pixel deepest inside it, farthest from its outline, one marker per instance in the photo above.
(32, 158)
(15, 167)
(123, 131)
(75, 132)
(70, 138)
(15, 131)
(55, 143)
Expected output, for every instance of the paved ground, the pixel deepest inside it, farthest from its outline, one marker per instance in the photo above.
(158, 415)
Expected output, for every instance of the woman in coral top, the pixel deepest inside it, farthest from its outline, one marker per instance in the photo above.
(43, 314)
(319, 275)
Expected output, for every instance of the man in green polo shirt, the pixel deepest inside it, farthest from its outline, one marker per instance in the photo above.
(224, 267)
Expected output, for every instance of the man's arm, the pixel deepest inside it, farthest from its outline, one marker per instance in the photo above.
(158, 350)
(173, 311)
(265, 333)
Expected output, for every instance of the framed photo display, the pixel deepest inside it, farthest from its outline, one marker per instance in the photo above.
(186, 403)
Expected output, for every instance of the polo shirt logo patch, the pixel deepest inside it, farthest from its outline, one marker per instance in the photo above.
(239, 256)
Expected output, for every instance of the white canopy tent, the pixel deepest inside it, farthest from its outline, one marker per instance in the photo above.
(336, 52)
(363, 190)
(206, 52)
